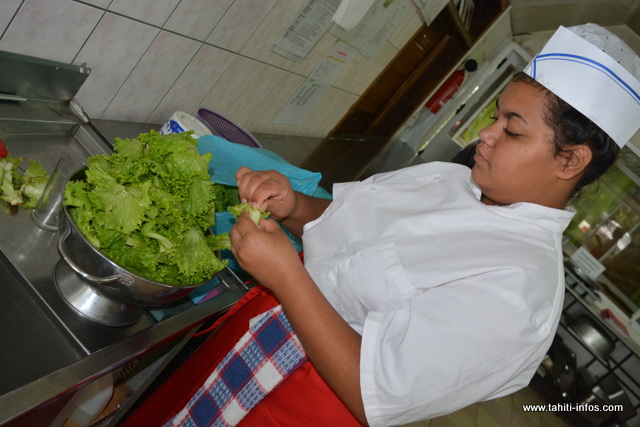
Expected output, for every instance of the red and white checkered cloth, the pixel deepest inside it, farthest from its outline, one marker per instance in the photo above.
(257, 364)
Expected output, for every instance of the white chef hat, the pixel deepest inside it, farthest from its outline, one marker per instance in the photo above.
(596, 73)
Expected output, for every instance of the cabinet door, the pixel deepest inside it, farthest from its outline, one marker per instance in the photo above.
(406, 81)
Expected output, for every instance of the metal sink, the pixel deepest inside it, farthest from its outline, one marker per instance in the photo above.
(34, 342)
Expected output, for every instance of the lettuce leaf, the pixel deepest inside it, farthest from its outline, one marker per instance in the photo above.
(149, 206)
(35, 180)
(255, 214)
(17, 188)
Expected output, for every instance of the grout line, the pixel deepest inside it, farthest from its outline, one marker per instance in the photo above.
(11, 20)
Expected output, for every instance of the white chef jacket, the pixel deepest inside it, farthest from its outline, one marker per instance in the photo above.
(457, 301)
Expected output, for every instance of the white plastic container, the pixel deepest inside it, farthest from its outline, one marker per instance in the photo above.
(181, 122)
(91, 400)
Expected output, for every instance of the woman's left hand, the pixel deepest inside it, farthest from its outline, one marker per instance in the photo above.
(267, 254)
(264, 251)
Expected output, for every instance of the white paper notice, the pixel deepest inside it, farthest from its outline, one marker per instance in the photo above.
(305, 31)
(430, 8)
(373, 28)
(312, 89)
(587, 263)
(351, 12)
(397, 14)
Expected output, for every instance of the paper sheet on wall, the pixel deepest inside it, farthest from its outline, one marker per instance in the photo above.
(374, 28)
(398, 15)
(313, 21)
(351, 12)
(312, 89)
(430, 8)
(587, 263)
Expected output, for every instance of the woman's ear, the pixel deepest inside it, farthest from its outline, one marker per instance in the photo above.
(574, 160)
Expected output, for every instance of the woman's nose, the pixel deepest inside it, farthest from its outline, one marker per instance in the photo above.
(488, 134)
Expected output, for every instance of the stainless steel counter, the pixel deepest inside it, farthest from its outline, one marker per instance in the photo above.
(47, 349)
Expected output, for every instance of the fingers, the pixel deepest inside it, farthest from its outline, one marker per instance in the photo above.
(259, 186)
(239, 231)
(251, 245)
(242, 172)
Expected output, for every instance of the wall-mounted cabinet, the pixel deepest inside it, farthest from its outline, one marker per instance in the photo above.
(420, 67)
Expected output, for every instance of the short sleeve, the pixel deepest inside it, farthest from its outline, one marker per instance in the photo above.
(454, 345)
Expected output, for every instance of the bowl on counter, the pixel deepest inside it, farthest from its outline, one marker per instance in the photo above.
(98, 288)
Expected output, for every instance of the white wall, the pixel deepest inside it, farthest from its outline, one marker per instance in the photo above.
(150, 58)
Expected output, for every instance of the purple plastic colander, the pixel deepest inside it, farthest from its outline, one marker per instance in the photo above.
(225, 128)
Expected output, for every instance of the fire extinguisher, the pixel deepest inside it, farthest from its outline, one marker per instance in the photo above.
(450, 87)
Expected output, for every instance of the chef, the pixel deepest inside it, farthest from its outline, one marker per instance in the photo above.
(422, 290)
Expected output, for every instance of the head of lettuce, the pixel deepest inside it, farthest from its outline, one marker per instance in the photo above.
(148, 207)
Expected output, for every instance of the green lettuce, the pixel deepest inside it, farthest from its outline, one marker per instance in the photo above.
(149, 207)
(255, 214)
(17, 188)
(34, 181)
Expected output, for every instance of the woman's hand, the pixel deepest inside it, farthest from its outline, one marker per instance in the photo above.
(268, 191)
(264, 251)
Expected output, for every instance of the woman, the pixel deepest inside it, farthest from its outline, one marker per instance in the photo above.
(422, 290)
(414, 253)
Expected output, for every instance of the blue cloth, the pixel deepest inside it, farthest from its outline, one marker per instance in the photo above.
(228, 157)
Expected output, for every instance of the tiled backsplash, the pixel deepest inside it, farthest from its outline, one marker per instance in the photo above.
(150, 58)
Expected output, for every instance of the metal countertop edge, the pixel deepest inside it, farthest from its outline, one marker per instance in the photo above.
(57, 384)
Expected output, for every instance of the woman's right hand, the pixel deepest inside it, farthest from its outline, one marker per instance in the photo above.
(269, 191)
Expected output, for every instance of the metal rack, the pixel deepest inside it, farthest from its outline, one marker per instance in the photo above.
(621, 366)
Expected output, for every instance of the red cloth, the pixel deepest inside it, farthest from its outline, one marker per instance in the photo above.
(303, 399)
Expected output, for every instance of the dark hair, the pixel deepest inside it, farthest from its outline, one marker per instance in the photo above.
(571, 128)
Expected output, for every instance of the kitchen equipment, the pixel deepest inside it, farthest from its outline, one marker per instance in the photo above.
(592, 335)
(225, 128)
(99, 289)
(45, 213)
(49, 351)
(605, 390)
(561, 365)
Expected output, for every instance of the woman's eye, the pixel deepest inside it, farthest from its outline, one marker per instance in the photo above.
(509, 133)
(494, 118)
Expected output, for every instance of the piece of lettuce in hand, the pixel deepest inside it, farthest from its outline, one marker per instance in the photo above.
(255, 214)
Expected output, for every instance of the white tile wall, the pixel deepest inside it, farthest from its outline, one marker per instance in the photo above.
(152, 12)
(150, 58)
(112, 57)
(52, 29)
(197, 18)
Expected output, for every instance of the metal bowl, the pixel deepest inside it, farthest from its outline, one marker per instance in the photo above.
(130, 292)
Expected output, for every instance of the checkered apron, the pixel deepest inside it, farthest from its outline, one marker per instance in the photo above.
(265, 355)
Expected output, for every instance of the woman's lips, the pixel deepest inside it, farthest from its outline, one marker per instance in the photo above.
(478, 157)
